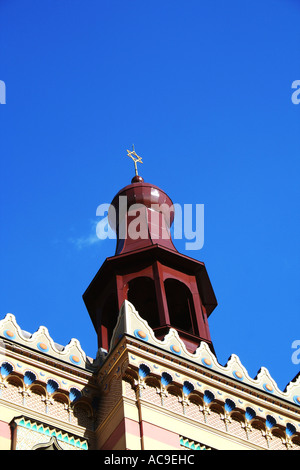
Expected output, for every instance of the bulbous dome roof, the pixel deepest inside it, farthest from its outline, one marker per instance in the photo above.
(146, 194)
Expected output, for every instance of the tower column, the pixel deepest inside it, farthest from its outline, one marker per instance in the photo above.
(161, 294)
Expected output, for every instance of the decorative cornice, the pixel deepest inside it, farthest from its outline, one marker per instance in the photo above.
(42, 343)
(130, 323)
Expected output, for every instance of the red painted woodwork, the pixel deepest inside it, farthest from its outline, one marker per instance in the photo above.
(167, 288)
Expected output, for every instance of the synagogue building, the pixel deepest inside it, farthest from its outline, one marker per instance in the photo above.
(155, 382)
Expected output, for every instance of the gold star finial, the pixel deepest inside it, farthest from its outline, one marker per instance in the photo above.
(136, 158)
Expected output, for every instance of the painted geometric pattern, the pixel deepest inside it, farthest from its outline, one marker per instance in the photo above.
(188, 444)
(207, 409)
(63, 438)
(44, 394)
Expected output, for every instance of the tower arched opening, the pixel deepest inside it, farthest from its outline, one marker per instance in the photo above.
(142, 294)
(180, 306)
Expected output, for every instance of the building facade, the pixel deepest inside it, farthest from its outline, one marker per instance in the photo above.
(156, 383)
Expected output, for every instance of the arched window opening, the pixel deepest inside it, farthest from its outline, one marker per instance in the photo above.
(180, 306)
(141, 293)
(109, 318)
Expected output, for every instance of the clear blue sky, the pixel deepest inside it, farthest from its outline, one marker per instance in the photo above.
(203, 90)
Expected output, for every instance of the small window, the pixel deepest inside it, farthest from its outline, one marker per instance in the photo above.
(180, 306)
(142, 295)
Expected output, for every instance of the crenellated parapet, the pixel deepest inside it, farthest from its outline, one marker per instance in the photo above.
(130, 322)
(41, 342)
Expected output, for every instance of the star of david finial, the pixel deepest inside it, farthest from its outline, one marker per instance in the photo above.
(136, 158)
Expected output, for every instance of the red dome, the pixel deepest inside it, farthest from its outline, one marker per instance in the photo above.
(145, 194)
(148, 209)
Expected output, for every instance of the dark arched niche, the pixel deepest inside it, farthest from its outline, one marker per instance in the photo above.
(180, 306)
(142, 294)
